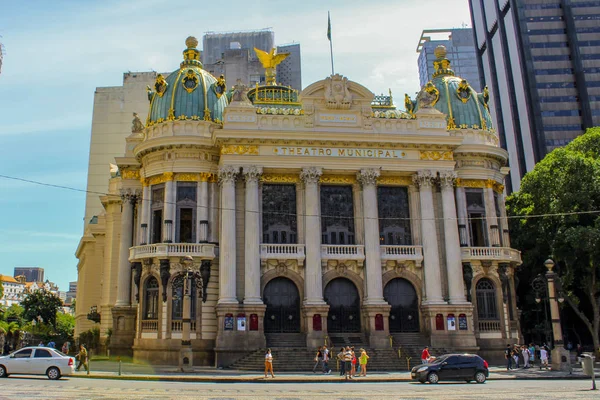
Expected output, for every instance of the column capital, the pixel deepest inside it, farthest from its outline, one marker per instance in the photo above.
(311, 174)
(130, 196)
(447, 179)
(252, 173)
(368, 176)
(424, 178)
(228, 173)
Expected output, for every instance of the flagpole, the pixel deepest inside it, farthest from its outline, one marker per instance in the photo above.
(330, 41)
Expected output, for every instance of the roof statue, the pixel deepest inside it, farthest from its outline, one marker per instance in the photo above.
(270, 61)
(136, 124)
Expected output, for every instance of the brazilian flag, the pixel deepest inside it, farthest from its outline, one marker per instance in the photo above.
(328, 27)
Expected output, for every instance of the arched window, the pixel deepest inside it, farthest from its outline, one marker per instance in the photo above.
(177, 299)
(151, 299)
(486, 300)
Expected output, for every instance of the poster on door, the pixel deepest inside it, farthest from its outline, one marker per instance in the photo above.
(228, 322)
(462, 322)
(451, 321)
(241, 323)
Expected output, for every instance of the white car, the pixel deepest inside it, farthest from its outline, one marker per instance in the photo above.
(37, 361)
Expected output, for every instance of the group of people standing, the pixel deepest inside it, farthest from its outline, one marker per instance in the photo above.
(526, 356)
(350, 364)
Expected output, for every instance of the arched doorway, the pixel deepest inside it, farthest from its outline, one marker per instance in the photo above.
(283, 306)
(344, 306)
(404, 314)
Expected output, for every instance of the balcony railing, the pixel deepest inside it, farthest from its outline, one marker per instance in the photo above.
(489, 326)
(501, 254)
(282, 251)
(150, 325)
(203, 250)
(177, 326)
(402, 253)
(343, 252)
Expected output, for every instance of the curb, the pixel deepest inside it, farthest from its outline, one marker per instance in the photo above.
(283, 379)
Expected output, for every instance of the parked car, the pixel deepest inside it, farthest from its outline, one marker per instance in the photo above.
(37, 361)
(452, 367)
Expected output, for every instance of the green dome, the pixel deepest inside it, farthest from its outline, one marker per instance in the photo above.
(453, 96)
(187, 93)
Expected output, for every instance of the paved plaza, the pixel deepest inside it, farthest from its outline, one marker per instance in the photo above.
(78, 388)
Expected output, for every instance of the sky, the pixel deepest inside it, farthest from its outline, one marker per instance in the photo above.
(57, 52)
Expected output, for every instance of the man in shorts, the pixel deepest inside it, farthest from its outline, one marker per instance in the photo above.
(348, 362)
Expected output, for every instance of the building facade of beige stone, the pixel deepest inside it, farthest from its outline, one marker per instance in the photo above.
(326, 214)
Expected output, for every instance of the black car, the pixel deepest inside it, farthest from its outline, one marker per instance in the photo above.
(452, 367)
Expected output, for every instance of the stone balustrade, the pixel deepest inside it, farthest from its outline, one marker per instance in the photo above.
(343, 252)
(282, 251)
(150, 325)
(489, 325)
(402, 253)
(201, 250)
(500, 254)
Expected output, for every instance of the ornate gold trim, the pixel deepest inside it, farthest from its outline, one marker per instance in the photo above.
(130, 174)
(145, 182)
(395, 180)
(338, 179)
(190, 75)
(168, 176)
(239, 149)
(156, 179)
(481, 184)
(436, 155)
(280, 178)
(187, 177)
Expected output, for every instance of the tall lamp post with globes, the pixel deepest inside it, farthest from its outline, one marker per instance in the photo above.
(192, 280)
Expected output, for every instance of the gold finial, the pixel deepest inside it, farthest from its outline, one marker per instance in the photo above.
(191, 42)
(269, 62)
(440, 52)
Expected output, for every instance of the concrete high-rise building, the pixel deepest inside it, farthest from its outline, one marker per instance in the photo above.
(32, 274)
(289, 72)
(541, 62)
(232, 54)
(461, 52)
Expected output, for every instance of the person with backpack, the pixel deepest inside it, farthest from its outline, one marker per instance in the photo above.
(318, 358)
(508, 356)
(325, 354)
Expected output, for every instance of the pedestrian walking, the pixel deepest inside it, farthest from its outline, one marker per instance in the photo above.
(579, 352)
(41, 344)
(269, 363)
(543, 357)
(65, 348)
(525, 352)
(82, 358)
(318, 358)
(340, 358)
(348, 362)
(508, 356)
(425, 356)
(363, 359)
(531, 354)
(353, 363)
(325, 352)
(515, 355)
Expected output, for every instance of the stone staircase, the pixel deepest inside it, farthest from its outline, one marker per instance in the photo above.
(286, 340)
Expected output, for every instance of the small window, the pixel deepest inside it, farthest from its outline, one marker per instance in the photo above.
(452, 360)
(41, 353)
(23, 353)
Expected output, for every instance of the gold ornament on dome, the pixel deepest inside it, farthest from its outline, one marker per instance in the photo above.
(191, 42)
(486, 98)
(464, 91)
(239, 149)
(269, 62)
(280, 178)
(130, 174)
(190, 81)
(436, 155)
(160, 85)
(219, 87)
(433, 95)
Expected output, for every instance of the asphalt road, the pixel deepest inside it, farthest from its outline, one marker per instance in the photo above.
(22, 388)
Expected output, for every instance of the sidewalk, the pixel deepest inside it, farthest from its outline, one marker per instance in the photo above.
(131, 371)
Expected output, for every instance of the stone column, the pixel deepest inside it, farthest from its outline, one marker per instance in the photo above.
(213, 213)
(456, 286)
(202, 210)
(368, 179)
(504, 224)
(252, 246)
(490, 214)
(313, 282)
(415, 214)
(300, 213)
(124, 277)
(143, 237)
(433, 286)
(461, 206)
(227, 242)
(170, 208)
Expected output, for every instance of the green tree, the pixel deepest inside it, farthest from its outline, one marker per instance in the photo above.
(43, 305)
(14, 313)
(65, 326)
(1, 287)
(564, 189)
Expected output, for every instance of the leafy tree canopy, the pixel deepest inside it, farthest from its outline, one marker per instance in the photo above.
(41, 304)
(564, 189)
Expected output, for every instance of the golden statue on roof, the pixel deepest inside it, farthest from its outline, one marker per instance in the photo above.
(269, 62)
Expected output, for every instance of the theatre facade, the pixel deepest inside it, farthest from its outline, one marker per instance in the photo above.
(327, 214)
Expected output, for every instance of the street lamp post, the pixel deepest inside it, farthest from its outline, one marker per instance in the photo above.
(560, 356)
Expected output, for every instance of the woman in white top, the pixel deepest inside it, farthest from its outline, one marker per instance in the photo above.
(269, 363)
(543, 357)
